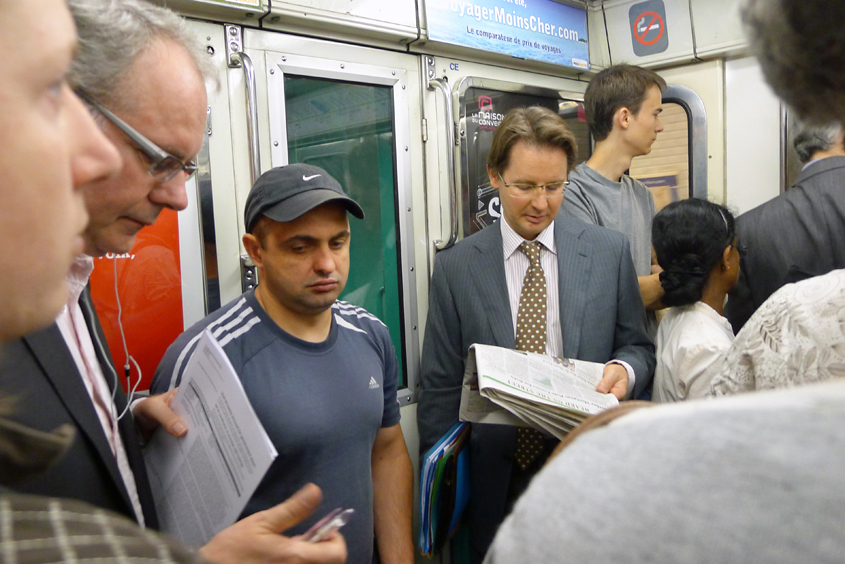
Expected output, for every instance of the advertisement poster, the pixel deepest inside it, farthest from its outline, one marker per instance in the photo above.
(149, 283)
(542, 30)
(484, 109)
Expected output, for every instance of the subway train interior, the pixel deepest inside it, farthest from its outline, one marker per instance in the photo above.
(398, 100)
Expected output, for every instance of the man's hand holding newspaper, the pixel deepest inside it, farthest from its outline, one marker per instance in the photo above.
(504, 386)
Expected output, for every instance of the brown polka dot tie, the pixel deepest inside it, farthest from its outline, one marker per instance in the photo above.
(531, 337)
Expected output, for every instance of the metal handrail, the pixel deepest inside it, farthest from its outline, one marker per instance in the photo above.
(242, 59)
(444, 87)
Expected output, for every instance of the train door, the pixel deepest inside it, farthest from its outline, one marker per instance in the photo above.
(354, 111)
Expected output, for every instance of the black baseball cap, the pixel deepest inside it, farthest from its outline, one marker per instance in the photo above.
(287, 192)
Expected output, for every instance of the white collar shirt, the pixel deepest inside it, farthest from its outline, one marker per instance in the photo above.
(77, 337)
(692, 343)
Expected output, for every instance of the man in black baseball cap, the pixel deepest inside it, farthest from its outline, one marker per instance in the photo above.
(287, 192)
(320, 373)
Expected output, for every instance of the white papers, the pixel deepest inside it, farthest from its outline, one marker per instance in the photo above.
(202, 481)
(508, 387)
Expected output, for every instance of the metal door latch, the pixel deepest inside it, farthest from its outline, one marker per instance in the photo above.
(249, 274)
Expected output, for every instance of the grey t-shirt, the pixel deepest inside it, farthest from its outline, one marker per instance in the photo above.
(626, 206)
(322, 404)
(752, 478)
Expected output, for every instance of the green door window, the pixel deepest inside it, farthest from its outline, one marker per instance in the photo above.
(347, 129)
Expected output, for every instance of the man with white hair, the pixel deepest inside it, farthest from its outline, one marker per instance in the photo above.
(144, 78)
(798, 234)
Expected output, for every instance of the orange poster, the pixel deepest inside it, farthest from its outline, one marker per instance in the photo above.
(150, 290)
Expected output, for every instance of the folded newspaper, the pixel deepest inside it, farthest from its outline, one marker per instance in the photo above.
(507, 387)
(201, 482)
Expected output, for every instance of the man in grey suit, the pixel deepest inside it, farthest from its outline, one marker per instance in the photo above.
(594, 309)
(797, 234)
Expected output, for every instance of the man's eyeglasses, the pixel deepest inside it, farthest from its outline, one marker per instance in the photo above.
(164, 165)
(527, 190)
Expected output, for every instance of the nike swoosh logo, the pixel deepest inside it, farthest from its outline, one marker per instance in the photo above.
(307, 178)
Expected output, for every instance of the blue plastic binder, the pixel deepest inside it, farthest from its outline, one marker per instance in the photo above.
(444, 488)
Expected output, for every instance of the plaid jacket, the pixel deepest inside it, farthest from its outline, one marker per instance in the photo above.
(43, 530)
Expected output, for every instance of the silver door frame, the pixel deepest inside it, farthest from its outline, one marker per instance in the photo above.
(277, 65)
(697, 126)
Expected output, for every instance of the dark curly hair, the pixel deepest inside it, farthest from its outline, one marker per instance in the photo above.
(689, 238)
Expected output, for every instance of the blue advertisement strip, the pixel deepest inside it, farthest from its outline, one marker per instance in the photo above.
(542, 30)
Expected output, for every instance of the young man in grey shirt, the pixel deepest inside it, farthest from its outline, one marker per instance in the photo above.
(622, 103)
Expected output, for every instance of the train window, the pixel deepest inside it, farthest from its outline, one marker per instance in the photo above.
(676, 167)
(665, 170)
(347, 129)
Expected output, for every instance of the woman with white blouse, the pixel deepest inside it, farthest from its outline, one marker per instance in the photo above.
(695, 244)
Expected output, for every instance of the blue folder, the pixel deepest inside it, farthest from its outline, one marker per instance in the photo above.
(444, 488)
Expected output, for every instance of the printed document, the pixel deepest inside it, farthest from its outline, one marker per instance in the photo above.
(508, 387)
(202, 481)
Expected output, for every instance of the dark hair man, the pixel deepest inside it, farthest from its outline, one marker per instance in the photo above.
(623, 105)
(799, 233)
(590, 306)
(753, 478)
(138, 62)
(320, 373)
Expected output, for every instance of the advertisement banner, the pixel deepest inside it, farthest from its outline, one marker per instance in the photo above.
(149, 283)
(542, 30)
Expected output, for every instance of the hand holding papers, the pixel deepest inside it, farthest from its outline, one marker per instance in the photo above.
(202, 481)
(508, 387)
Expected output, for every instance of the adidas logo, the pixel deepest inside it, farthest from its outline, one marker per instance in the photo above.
(373, 383)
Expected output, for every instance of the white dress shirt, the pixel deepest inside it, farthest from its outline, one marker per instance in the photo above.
(78, 340)
(516, 266)
(692, 342)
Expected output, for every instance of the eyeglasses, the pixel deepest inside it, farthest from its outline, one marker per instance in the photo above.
(551, 190)
(164, 165)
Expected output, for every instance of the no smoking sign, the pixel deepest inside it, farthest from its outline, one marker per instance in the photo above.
(648, 27)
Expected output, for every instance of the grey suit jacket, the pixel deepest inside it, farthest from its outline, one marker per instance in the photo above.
(796, 235)
(602, 318)
(38, 371)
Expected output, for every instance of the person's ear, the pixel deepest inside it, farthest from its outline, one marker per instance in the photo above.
(254, 249)
(623, 117)
(494, 178)
(726, 257)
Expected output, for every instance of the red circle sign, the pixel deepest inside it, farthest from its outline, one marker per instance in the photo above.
(654, 17)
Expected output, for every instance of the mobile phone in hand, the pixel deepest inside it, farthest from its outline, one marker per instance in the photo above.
(324, 528)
